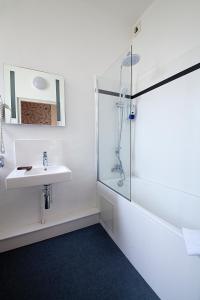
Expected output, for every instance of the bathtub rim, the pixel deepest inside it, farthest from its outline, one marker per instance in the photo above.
(110, 194)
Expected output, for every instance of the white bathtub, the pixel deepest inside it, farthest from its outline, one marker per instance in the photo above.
(149, 234)
(179, 208)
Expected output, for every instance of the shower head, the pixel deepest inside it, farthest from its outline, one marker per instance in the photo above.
(130, 59)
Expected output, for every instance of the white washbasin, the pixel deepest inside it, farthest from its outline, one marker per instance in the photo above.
(37, 176)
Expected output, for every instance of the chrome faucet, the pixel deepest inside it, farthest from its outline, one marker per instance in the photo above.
(45, 160)
(1, 161)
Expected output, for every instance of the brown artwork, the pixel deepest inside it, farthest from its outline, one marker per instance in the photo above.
(38, 113)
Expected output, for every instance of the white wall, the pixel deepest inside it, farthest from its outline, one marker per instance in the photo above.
(167, 147)
(169, 40)
(76, 39)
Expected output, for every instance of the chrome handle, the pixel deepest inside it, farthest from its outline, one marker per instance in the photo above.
(1, 161)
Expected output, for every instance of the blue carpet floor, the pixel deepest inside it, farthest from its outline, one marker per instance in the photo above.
(82, 265)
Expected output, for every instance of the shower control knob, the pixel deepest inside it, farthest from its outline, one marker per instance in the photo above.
(1, 161)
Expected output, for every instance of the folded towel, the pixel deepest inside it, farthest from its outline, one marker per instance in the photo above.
(192, 241)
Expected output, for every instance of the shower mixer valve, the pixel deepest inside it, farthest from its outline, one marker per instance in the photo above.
(1, 161)
(117, 168)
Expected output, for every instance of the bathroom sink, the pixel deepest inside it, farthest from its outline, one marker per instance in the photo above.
(37, 176)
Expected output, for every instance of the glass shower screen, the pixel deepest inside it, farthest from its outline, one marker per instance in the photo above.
(115, 114)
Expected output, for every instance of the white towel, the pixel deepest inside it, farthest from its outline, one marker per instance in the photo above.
(192, 240)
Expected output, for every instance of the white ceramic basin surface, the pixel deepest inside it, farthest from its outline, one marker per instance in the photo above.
(37, 176)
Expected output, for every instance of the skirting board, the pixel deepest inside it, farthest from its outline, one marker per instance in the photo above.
(48, 232)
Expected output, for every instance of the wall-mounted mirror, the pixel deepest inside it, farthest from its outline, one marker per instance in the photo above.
(34, 97)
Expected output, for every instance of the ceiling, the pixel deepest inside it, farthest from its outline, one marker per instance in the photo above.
(127, 10)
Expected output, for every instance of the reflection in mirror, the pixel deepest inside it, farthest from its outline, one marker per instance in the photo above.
(34, 97)
(32, 112)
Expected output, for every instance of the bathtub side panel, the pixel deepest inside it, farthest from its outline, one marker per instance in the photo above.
(155, 248)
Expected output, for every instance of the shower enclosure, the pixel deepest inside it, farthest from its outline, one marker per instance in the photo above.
(149, 137)
(115, 114)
